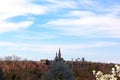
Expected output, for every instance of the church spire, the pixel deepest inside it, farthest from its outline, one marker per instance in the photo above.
(56, 54)
(59, 54)
(56, 57)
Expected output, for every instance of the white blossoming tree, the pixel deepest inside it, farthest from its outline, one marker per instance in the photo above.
(115, 74)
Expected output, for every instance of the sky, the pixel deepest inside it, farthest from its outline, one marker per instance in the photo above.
(36, 29)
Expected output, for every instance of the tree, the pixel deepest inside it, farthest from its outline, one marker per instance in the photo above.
(8, 58)
(59, 71)
(1, 74)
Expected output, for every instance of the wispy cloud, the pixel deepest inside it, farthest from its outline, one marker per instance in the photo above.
(19, 7)
(90, 25)
(88, 4)
(45, 48)
(6, 44)
(6, 26)
(59, 4)
(79, 14)
(9, 9)
(35, 36)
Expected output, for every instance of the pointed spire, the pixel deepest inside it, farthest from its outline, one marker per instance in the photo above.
(59, 54)
(56, 57)
(56, 54)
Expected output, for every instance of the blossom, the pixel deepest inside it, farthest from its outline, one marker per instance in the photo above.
(113, 76)
(94, 72)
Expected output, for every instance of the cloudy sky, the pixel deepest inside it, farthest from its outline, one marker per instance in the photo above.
(36, 29)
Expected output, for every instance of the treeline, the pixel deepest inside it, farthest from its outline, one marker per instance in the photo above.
(15, 69)
(20, 70)
(83, 70)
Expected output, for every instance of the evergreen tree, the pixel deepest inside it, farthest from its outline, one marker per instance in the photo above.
(59, 70)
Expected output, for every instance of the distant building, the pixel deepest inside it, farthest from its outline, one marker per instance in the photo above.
(83, 59)
(58, 56)
(45, 62)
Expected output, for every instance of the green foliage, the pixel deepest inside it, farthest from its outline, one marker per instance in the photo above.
(59, 71)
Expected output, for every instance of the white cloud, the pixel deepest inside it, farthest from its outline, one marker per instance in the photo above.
(19, 7)
(6, 27)
(56, 5)
(35, 36)
(90, 24)
(88, 4)
(46, 48)
(6, 44)
(9, 9)
(79, 14)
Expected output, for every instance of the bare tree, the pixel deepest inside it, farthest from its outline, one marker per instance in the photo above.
(8, 58)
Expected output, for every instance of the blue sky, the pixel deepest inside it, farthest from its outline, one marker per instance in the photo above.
(36, 29)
